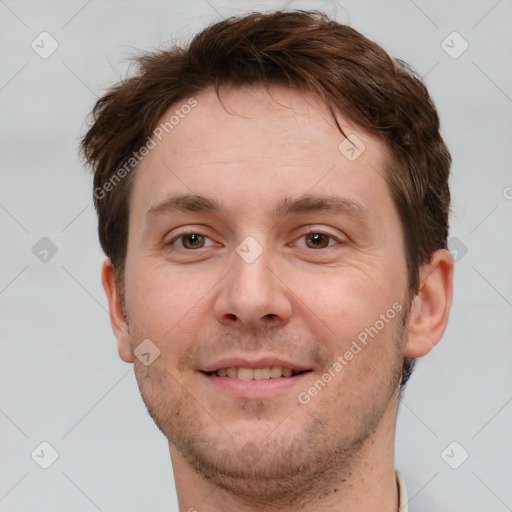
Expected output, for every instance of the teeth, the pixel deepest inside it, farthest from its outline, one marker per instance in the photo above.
(287, 372)
(261, 373)
(275, 372)
(270, 372)
(245, 373)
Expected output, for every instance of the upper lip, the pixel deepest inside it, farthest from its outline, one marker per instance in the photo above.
(262, 362)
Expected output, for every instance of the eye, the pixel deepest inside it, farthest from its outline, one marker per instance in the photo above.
(319, 240)
(190, 241)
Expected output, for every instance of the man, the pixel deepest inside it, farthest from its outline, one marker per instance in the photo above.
(273, 202)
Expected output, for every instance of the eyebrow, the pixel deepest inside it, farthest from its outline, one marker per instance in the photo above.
(287, 206)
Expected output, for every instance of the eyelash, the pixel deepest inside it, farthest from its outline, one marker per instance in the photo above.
(310, 232)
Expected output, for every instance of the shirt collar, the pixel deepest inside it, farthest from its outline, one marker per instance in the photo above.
(403, 501)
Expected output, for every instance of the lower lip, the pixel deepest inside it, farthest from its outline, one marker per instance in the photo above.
(255, 388)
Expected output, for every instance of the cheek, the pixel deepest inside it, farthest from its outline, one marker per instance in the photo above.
(168, 307)
(165, 302)
(344, 303)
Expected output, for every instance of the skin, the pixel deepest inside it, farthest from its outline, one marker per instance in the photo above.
(295, 300)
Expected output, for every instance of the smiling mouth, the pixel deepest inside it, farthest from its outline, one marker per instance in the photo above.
(270, 372)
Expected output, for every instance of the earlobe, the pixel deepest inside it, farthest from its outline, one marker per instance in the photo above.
(117, 314)
(431, 306)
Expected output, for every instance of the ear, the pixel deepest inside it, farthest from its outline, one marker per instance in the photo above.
(431, 306)
(117, 318)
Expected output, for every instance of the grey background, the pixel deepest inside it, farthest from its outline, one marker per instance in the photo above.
(61, 379)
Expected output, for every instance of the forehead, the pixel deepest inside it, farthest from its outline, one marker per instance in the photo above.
(251, 143)
(236, 121)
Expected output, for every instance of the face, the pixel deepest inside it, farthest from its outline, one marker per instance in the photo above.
(256, 242)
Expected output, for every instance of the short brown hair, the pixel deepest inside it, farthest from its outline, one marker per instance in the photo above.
(304, 50)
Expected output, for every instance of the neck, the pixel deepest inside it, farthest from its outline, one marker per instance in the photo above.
(366, 484)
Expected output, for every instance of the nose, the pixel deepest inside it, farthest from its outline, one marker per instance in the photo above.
(253, 295)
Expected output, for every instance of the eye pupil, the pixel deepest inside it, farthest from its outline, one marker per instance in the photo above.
(195, 239)
(317, 239)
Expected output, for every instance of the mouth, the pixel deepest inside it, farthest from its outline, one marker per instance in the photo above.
(266, 373)
(241, 378)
